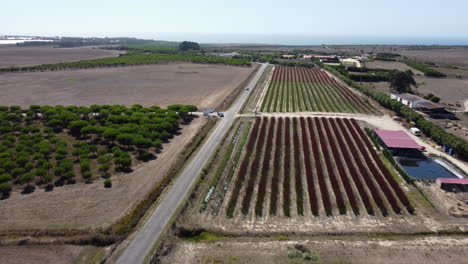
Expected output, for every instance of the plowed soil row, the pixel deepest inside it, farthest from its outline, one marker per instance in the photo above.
(312, 167)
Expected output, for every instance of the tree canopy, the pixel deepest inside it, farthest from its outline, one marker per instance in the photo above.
(189, 45)
(402, 81)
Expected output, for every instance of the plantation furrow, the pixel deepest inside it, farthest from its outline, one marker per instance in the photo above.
(313, 197)
(265, 169)
(337, 98)
(275, 181)
(320, 169)
(219, 172)
(243, 168)
(353, 172)
(297, 170)
(304, 89)
(329, 157)
(388, 194)
(398, 192)
(371, 185)
(287, 168)
(232, 168)
(340, 165)
(254, 169)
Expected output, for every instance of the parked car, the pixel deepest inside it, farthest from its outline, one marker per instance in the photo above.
(220, 114)
(415, 131)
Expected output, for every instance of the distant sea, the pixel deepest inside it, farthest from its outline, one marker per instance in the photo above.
(290, 39)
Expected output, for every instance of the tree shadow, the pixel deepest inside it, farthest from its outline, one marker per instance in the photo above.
(28, 189)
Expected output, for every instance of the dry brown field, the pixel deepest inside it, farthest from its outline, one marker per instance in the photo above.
(89, 206)
(59, 254)
(29, 56)
(181, 83)
(426, 250)
(391, 65)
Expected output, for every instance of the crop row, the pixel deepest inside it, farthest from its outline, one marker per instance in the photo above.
(295, 89)
(243, 169)
(330, 161)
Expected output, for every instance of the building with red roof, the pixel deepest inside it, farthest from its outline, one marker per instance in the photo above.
(393, 139)
(453, 184)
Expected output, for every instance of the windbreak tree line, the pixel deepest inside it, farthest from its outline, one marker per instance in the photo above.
(439, 135)
(133, 58)
(50, 146)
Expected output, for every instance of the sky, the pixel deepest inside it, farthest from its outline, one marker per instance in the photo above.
(242, 20)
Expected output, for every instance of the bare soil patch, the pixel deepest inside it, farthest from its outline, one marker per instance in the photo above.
(50, 254)
(182, 83)
(85, 206)
(391, 65)
(332, 250)
(29, 56)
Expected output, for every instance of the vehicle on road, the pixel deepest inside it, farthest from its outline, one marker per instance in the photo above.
(415, 131)
(220, 114)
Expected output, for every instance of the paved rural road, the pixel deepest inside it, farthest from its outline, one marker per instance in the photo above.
(147, 236)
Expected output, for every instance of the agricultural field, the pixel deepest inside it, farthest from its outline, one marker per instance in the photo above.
(299, 89)
(52, 146)
(179, 83)
(391, 65)
(332, 249)
(30, 56)
(275, 175)
(77, 203)
(327, 188)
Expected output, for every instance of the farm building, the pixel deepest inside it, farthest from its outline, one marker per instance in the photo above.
(330, 58)
(452, 184)
(435, 110)
(289, 57)
(397, 142)
(229, 55)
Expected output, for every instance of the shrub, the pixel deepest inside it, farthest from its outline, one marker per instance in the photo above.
(26, 178)
(5, 177)
(5, 188)
(87, 175)
(69, 175)
(17, 171)
(107, 183)
(104, 168)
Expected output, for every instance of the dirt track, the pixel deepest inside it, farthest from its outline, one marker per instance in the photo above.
(184, 83)
(29, 56)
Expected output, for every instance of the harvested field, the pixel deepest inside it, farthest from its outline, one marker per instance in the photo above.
(50, 254)
(30, 56)
(328, 249)
(178, 83)
(298, 89)
(87, 206)
(391, 65)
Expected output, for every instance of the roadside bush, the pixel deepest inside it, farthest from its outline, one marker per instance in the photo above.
(107, 183)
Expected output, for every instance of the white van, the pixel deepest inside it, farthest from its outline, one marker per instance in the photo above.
(415, 131)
